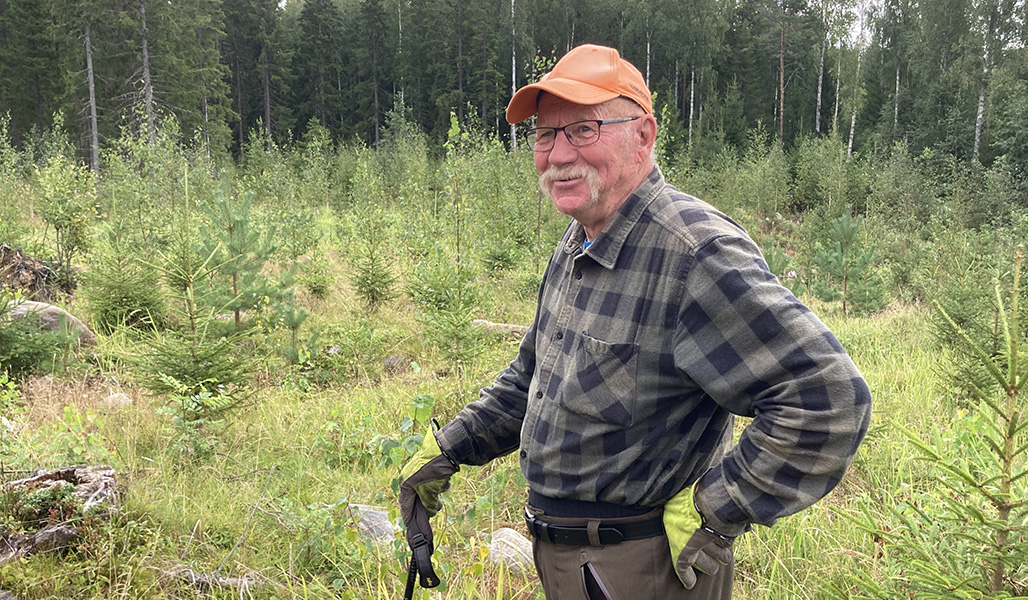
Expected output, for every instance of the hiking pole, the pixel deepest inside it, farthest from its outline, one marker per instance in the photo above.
(412, 577)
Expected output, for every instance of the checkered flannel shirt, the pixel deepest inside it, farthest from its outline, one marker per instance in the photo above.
(642, 349)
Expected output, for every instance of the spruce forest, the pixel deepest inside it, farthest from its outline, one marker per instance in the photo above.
(295, 232)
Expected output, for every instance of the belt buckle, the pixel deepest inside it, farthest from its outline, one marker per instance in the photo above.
(539, 528)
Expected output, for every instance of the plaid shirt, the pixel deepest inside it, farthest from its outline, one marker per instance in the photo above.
(642, 349)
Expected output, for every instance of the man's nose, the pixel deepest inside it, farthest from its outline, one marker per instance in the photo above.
(562, 152)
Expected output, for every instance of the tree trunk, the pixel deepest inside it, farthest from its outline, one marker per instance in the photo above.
(856, 102)
(896, 106)
(820, 84)
(692, 100)
(237, 73)
(147, 81)
(94, 135)
(649, 51)
(856, 81)
(513, 70)
(838, 90)
(781, 84)
(266, 80)
(856, 99)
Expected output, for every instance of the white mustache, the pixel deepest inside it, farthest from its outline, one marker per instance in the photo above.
(591, 176)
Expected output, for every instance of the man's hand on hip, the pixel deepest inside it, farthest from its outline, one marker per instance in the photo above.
(695, 549)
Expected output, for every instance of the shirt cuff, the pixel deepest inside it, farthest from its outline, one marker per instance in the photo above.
(717, 510)
(455, 443)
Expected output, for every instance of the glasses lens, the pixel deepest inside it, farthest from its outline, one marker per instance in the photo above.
(584, 132)
(541, 138)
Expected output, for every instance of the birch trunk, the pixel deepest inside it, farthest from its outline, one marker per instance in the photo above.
(513, 70)
(896, 106)
(692, 100)
(856, 98)
(781, 85)
(820, 86)
(94, 135)
(147, 81)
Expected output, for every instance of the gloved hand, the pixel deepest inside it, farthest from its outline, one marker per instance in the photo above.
(694, 548)
(426, 475)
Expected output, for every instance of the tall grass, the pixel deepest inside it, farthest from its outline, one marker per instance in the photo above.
(330, 428)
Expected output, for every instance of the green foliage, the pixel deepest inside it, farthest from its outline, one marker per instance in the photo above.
(848, 271)
(193, 360)
(122, 289)
(68, 205)
(370, 248)
(315, 275)
(966, 539)
(447, 300)
(10, 411)
(26, 348)
(197, 413)
(827, 179)
(77, 437)
(42, 506)
(781, 266)
(239, 251)
(354, 351)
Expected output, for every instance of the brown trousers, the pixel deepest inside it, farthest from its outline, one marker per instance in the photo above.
(632, 570)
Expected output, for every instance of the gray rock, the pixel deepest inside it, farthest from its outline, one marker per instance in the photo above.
(373, 523)
(513, 550)
(52, 318)
(397, 364)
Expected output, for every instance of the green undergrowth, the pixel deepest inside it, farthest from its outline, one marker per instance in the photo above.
(271, 502)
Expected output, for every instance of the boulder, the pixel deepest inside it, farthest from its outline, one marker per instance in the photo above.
(51, 318)
(397, 364)
(373, 523)
(513, 550)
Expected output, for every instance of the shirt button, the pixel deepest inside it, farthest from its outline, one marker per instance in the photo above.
(560, 335)
(578, 274)
(539, 395)
(523, 454)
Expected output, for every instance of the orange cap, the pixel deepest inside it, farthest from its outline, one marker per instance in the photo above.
(588, 74)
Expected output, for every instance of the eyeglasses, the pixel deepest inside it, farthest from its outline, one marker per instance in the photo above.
(580, 133)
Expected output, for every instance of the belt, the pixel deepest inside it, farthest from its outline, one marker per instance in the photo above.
(578, 535)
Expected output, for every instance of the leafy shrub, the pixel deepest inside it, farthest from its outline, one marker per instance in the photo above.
(77, 438)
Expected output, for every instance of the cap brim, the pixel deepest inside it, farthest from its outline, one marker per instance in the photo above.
(525, 102)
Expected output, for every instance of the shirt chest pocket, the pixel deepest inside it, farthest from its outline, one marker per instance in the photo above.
(600, 384)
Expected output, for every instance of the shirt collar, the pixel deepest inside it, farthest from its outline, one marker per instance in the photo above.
(607, 246)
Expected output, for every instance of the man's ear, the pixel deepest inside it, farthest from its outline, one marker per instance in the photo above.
(647, 137)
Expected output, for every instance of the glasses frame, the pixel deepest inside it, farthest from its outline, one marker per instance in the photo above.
(531, 133)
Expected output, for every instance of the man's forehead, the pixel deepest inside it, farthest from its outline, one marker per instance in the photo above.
(552, 107)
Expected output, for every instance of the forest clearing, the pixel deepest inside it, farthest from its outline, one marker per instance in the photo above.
(275, 239)
(272, 341)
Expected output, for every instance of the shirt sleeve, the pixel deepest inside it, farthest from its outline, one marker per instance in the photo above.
(491, 426)
(759, 352)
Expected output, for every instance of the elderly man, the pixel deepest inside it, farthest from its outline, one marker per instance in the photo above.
(657, 321)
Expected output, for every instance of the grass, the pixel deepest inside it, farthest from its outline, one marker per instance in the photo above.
(268, 501)
(299, 454)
